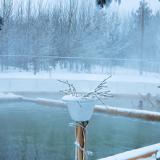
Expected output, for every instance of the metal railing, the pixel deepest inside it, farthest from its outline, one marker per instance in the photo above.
(77, 64)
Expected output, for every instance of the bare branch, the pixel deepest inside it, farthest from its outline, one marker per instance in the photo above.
(71, 89)
(99, 92)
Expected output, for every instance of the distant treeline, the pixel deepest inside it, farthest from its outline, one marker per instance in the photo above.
(76, 30)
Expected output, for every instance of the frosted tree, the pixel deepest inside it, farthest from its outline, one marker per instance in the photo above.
(153, 43)
(6, 8)
(142, 19)
(157, 28)
(70, 30)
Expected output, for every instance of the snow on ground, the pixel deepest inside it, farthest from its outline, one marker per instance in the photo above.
(128, 82)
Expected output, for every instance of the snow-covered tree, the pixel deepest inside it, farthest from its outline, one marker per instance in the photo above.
(72, 30)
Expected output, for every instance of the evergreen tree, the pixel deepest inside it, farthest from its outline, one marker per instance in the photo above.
(142, 17)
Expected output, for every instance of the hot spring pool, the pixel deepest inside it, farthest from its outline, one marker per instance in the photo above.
(34, 132)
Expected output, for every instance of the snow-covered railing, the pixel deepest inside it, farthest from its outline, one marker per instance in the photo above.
(9, 97)
(132, 113)
(46, 102)
(146, 153)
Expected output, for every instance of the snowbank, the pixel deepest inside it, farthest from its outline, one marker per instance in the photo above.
(43, 82)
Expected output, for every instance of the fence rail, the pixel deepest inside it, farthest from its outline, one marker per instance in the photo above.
(138, 154)
(76, 64)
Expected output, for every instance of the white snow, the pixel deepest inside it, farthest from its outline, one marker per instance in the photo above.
(9, 96)
(158, 154)
(71, 98)
(46, 102)
(135, 153)
(80, 108)
(120, 83)
(125, 110)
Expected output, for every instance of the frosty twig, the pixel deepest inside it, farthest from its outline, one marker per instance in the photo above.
(71, 89)
(101, 91)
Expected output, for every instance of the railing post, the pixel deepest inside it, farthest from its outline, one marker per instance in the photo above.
(80, 133)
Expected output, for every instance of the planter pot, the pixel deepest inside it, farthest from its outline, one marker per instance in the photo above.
(80, 109)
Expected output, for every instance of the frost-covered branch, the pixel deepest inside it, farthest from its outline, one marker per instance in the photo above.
(101, 91)
(71, 89)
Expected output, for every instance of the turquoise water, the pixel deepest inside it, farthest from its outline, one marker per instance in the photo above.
(34, 132)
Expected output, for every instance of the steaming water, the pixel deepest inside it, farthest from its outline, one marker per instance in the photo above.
(35, 132)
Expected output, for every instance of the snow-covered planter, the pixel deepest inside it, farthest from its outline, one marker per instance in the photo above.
(80, 108)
